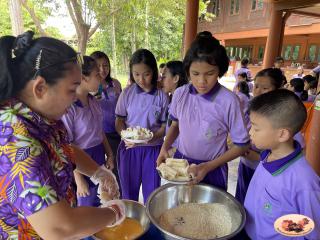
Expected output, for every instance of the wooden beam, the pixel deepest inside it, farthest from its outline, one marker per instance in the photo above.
(296, 4)
(299, 12)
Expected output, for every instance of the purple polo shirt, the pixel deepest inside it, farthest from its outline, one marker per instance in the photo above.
(285, 186)
(316, 69)
(144, 109)
(243, 70)
(84, 123)
(108, 103)
(206, 120)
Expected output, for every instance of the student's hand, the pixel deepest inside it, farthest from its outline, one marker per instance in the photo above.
(163, 155)
(198, 172)
(82, 187)
(129, 144)
(110, 162)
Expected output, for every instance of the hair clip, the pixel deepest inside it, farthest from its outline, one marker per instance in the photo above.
(38, 60)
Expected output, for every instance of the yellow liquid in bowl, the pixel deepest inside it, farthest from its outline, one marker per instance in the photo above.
(129, 229)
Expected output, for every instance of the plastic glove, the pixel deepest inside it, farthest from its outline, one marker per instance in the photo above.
(118, 207)
(107, 182)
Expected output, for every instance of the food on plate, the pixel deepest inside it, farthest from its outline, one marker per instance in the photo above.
(175, 169)
(291, 226)
(136, 133)
(129, 229)
(197, 220)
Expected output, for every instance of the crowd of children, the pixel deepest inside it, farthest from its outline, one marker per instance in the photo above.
(186, 104)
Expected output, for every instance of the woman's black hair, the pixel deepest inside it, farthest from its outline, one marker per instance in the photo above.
(89, 64)
(23, 58)
(206, 48)
(313, 84)
(298, 86)
(98, 55)
(244, 88)
(275, 75)
(176, 68)
(146, 57)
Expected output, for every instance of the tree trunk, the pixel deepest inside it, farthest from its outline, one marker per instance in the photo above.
(16, 17)
(114, 47)
(34, 17)
(133, 40)
(83, 38)
(146, 34)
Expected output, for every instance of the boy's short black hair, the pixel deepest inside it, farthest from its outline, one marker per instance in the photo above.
(275, 75)
(206, 48)
(282, 107)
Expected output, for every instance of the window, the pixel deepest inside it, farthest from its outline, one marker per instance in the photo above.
(256, 5)
(318, 54)
(291, 52)
(215, 7)
(312, 53)
(261, 52)
(234, 7)
(295, 52)
(239, 52)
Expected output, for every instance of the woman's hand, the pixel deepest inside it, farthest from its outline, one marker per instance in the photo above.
(82, 186)
(118, 207)
(163, 155)
(198, 172)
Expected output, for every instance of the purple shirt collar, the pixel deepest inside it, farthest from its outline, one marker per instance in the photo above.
(208, 96)
(140, 90)
(79, 103)
(278, 166)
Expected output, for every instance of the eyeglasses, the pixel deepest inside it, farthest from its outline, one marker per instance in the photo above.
(78, 59)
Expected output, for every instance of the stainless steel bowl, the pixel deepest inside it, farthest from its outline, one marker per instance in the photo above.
(169, 196)
(136, 211)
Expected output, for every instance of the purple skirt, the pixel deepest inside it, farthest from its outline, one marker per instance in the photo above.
(245, 175)
(218, 177)
(137, 166)
(97, 153)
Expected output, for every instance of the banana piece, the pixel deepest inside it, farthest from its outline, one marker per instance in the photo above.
(174, 162)
(167, 172)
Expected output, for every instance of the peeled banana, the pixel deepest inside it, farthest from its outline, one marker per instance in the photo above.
(175, 169)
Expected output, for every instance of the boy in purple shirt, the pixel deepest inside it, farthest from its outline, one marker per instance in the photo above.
(284, 182)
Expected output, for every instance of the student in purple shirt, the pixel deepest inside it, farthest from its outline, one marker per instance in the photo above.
(284, 182)
(266, 80)
(242, 92)
(243, 69)
(203, 113)
(83, 122)
(110, 90)
(296, 85)
(141, 104)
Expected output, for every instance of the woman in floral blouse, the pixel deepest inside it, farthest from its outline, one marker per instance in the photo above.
(38, 80)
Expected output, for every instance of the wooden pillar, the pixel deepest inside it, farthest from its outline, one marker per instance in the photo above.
(192, 13)
(313, 143)
(274, 38)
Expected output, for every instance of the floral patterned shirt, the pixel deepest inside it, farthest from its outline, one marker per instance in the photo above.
(36, 168)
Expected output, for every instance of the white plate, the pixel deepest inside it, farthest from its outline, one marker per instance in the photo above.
(173, 181)
(139, 140)
(295, 218)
